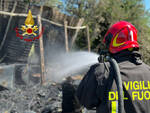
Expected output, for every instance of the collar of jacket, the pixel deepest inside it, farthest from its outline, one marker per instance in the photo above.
(133, 56)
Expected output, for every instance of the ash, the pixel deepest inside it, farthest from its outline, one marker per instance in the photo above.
(32, 99)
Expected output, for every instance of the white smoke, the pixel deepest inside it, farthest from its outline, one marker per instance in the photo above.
(67, 64)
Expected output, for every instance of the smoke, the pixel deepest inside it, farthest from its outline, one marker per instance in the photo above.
(6, 74)
(64, 64)
(58, 65)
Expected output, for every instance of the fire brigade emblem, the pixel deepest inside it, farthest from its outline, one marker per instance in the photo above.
(29, 28)
(29, 31)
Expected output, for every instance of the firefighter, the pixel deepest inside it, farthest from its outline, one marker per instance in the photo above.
(98, 89)
(70, 102)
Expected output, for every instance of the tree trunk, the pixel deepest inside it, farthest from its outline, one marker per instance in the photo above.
(41, 48)
(66, 36)
(88, 38)
(80, 22)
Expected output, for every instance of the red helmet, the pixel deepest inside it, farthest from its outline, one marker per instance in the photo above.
(121, 35)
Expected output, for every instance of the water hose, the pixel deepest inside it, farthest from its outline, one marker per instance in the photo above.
(118, 81)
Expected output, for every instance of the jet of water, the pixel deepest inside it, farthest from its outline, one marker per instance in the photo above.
(69, 64)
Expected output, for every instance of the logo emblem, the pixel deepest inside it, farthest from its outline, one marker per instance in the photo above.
(28, 31)
(115, 44)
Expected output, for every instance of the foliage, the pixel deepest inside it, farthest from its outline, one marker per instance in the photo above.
(100, 14)
(50, 3)
(53, 3)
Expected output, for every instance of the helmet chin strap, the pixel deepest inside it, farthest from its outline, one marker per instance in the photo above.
(130, 49)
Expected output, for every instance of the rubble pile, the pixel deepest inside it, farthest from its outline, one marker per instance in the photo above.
(32, 99)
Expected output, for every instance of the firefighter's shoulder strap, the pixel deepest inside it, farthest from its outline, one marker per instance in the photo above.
(110, 71)
(118, 80)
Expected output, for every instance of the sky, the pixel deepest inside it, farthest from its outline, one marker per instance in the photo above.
(147, 4)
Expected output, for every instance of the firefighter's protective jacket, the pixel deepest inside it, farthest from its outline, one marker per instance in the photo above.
(98, 88)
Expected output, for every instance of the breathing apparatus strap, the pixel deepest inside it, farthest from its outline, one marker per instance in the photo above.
(118, 81)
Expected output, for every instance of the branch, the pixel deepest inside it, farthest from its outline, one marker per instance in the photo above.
(8, 25)
(51, 22)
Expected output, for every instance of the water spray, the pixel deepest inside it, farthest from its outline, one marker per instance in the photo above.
(63, 65)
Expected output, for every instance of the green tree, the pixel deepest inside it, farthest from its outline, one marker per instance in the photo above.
(101, 14)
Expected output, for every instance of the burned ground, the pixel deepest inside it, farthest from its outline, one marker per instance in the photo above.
(32, 99)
